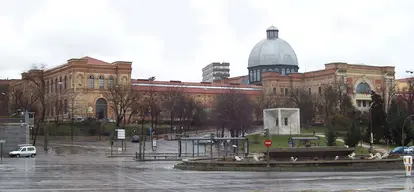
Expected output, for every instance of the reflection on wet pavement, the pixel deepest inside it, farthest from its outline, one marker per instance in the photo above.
(83, 169)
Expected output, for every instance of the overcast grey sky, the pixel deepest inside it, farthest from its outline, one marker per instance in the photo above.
(174, 39)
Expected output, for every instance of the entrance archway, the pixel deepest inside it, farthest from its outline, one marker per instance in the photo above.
(101, 108)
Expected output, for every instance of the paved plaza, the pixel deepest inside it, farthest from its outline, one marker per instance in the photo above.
(89, 169)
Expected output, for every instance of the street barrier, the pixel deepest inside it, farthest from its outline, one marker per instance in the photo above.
(408, 162)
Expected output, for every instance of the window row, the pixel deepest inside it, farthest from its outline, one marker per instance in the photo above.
(60, 108)
(57, 85)
(101, 82)
(283, 91)
(255, 75)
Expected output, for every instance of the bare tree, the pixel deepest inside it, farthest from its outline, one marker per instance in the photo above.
(25, 97)
(406, 96)
(150, 104)
(35, 77)
(303, 100)
(121, 98)
(234, 112)
(264, 101)
(171, 99)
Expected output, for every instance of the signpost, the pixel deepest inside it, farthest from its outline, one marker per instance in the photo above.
(154, 144)
(268, 143)
(121, 136)
(1, 148)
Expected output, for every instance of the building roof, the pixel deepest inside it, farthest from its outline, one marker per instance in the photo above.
(95, 61)
(190, 87)
(406, 79)
(272, 51)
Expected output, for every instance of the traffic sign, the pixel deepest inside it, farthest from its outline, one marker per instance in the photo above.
(121, 133)
(2, 141)
(268, 142)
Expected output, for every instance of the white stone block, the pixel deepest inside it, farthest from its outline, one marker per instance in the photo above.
(282, 121)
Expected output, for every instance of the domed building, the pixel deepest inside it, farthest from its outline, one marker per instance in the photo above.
(273, 64)
(272, 54)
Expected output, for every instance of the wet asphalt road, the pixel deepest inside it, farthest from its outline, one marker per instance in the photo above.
(83, 169)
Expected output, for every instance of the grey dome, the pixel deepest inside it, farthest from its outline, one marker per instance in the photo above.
(272, 51)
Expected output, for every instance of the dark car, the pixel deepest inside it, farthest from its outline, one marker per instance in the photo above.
(401, 150)
(135, 139)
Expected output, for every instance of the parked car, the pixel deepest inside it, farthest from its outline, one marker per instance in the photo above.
(135, 139)
(25, 150)
(401, 150)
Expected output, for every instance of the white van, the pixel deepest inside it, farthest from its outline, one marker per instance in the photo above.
(25, 150)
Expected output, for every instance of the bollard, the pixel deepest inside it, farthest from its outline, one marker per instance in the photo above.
(408, 162)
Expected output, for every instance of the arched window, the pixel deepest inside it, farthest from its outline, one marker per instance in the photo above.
(65, 83)
(258, 75)
(363, 88)
(110, 82)
(283, 71)
(101, 82)
(91, 82)
(251, 76)
(287, 71)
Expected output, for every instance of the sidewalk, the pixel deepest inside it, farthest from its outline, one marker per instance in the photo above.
(364, 145)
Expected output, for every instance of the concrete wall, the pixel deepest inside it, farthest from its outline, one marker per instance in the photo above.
(274, 120)
(14, 134)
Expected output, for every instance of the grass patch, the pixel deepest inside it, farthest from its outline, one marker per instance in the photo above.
(256, 143)
(309, 130)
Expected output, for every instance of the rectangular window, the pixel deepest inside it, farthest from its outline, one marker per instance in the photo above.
(110, 82)
(359, 103)
(60, 85)
(286, 91)
(282, 91)
(101, 82)
(274, 90)
(91, 83)
(286, 121)
(56, 85)
(320, 90)
(364, 103)
(310, 91)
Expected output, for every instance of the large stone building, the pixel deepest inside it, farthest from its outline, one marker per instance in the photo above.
(272, 69)
(274, 64)
(75, 88)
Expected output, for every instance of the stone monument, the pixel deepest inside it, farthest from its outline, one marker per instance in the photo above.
(282, 121)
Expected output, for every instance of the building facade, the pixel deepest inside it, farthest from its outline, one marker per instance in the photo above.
(216, 71)
(274, 64)
(76, 88)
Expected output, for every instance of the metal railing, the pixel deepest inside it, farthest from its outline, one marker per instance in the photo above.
(170, 156)
(11, 120)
